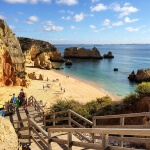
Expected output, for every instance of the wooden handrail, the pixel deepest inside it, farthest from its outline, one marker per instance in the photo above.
(105, 134)
(123, 115)
(38, 127)
(36, 103)
(81, 117)
(55, 113)
(137, 132)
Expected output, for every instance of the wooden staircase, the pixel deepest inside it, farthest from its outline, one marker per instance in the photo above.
(67, 130)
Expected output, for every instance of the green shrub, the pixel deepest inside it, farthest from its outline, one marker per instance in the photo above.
(92, 107)
(130, 99)
(64, 105)
(143, 89)
(104, 101)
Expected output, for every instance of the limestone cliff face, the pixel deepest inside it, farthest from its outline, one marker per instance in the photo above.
(75, 52)
(12, 62)
(38, 51)
(8, 137)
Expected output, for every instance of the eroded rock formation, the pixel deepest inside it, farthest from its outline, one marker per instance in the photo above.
(75, 52)
(109, 55)
(12, 62)
(8, 137)
(40, 53)
(141, 76)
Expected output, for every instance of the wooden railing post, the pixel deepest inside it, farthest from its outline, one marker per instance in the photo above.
(69, 121)
(122, 124)
(69, 141)
(104, 141)
(44, 121)
(18, 125)
(29, 124)
(49, 141)
(54, 120)
(94, 124)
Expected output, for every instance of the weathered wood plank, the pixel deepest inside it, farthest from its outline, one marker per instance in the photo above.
(36, 126)
(87, 145)
(57, 119)
(81, 117)
(39, 136)
(142, 114)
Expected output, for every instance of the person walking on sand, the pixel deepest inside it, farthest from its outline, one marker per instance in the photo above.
(22, 97)
(2, 113)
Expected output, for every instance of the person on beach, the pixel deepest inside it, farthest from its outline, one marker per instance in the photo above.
(23, 98)
(2, 113)
(14, 99)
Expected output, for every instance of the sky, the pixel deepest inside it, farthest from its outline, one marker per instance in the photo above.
(79, 21)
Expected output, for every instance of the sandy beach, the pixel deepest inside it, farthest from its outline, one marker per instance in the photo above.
(58, 86)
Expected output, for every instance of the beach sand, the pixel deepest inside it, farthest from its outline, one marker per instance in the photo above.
(58, 87)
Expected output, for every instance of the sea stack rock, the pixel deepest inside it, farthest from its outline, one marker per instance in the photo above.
(109, 55)
(75, 52)
(40, 52)
(115, 69)
(141, 76)
(131, 77)
(12, 61)
(68, 62)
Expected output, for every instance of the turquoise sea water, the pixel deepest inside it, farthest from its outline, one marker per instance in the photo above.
(127, 58)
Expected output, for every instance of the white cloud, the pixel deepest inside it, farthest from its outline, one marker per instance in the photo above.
(92, 27)
(79, 17)
(131, 29)
(70, 12)
(27, 1)
(15, 19)
(126, 10)
(62, 11)
(66, 18)
(12, 27)
(67, 2)
(119, 23)
(73, 28)
(20, 13)
(128, 20)
(49, 26)
(94, 1)
(106, 22)
(2, 17)
(32, 20)
(98, 7)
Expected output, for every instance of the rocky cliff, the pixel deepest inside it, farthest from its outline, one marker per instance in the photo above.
(12, 62)
(141, 76)
(8, 137)
(75, 52)
(40, 52)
